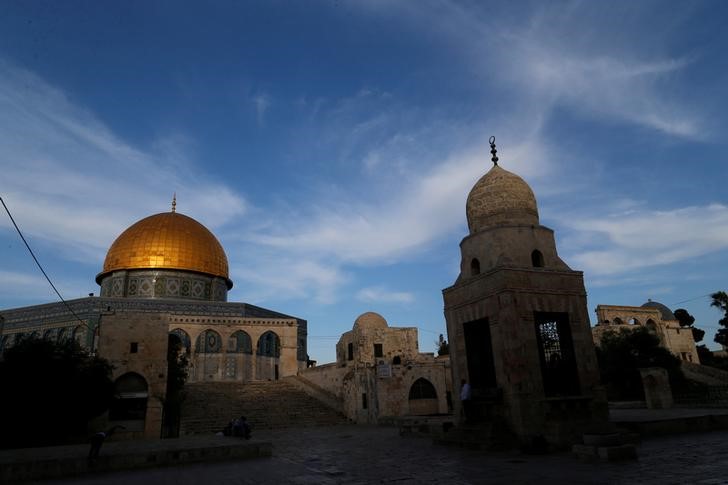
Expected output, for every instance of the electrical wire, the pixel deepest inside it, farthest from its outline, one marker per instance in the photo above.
(68, 307)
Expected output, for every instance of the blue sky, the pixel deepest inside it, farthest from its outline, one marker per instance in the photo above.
(330, 145)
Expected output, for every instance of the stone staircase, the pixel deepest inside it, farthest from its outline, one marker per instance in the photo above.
(209, 406)
(704, 374)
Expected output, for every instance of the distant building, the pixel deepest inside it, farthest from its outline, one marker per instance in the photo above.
(380, 373)
(654, 316)
(166, 277)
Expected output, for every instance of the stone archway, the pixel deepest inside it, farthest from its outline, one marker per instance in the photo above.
(422, 398)
(267, 357)
(238, 358)
(129, 405)
(208, 353)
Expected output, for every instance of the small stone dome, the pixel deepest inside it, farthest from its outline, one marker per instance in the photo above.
(500, 198)
(665, 312)
(370, 320)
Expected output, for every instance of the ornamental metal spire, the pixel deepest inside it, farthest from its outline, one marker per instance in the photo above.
(174, 202)
(493, 151)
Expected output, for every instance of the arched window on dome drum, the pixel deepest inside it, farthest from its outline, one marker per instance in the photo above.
(537, 259)
(130, 401)
(269, 345)
(422, 389)
(240, 343)
(208, 342)
(474, 267)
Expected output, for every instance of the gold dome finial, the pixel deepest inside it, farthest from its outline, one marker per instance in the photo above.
(493, 151)
(174, 202)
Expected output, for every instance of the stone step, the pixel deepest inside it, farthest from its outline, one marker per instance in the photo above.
(209, 406)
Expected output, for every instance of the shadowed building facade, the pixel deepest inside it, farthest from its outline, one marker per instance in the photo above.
(517, 318)
(166, 278)
(657, 318)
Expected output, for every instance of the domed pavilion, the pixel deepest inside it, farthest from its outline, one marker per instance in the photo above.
(517, 319)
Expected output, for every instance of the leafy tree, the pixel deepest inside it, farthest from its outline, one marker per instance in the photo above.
(443, 348)
(686, 320)
(720, 301)
(50, 392)
(176, 377)
(621, 355)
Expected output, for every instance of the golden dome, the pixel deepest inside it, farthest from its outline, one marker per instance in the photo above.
(500, 198)
(169, 240)
(370, 320)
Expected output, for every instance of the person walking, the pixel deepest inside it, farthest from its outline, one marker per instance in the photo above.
(98, 439)
(466, 400)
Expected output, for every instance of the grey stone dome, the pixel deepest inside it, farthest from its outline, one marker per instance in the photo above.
(665, 312)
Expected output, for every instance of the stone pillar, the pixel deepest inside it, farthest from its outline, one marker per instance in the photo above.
(656, 383)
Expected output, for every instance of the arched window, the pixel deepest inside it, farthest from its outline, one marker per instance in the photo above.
(651, 326)
(208, 342)
(269, 345)
(537, 259)
(183, 337)
(474, 267)
(49, 334)
(397, 360)
(422, 389)
(130, 398)
(618, 321)
(634, 321)
(240, 343)
(61, 337)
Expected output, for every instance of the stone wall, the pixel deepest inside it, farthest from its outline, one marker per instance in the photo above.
(137, 343)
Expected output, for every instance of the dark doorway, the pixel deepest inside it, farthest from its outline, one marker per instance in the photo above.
(556, 351)
(479, 352)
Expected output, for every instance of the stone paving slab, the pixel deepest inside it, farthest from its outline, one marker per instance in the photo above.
(378, 455)
(38, 463)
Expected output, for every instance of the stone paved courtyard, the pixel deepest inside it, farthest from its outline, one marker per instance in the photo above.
(368, 455)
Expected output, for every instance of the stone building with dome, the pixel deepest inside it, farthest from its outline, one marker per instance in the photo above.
(654, 316)
(380, 374)
(517, 319)
(166, 277)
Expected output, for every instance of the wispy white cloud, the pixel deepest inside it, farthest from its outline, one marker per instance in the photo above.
(380, 294)
(261, 103)
(637, 239)
(71, 181)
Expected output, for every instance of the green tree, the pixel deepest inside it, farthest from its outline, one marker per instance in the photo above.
(687, 320)
(720, 301)
(621, 355)
(176, 377)
(49, 392)
(443, 348)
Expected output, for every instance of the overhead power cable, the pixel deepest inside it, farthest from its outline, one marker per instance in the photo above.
(68, 307)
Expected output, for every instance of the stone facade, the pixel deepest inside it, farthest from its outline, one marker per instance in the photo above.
(517, 320)
(656, 317)
(166, 275)
(380, 373)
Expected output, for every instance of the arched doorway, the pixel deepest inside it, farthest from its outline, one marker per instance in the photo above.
(267, 357)
(238, 360)
(208, 348)
(129, 406)
(422, 398)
